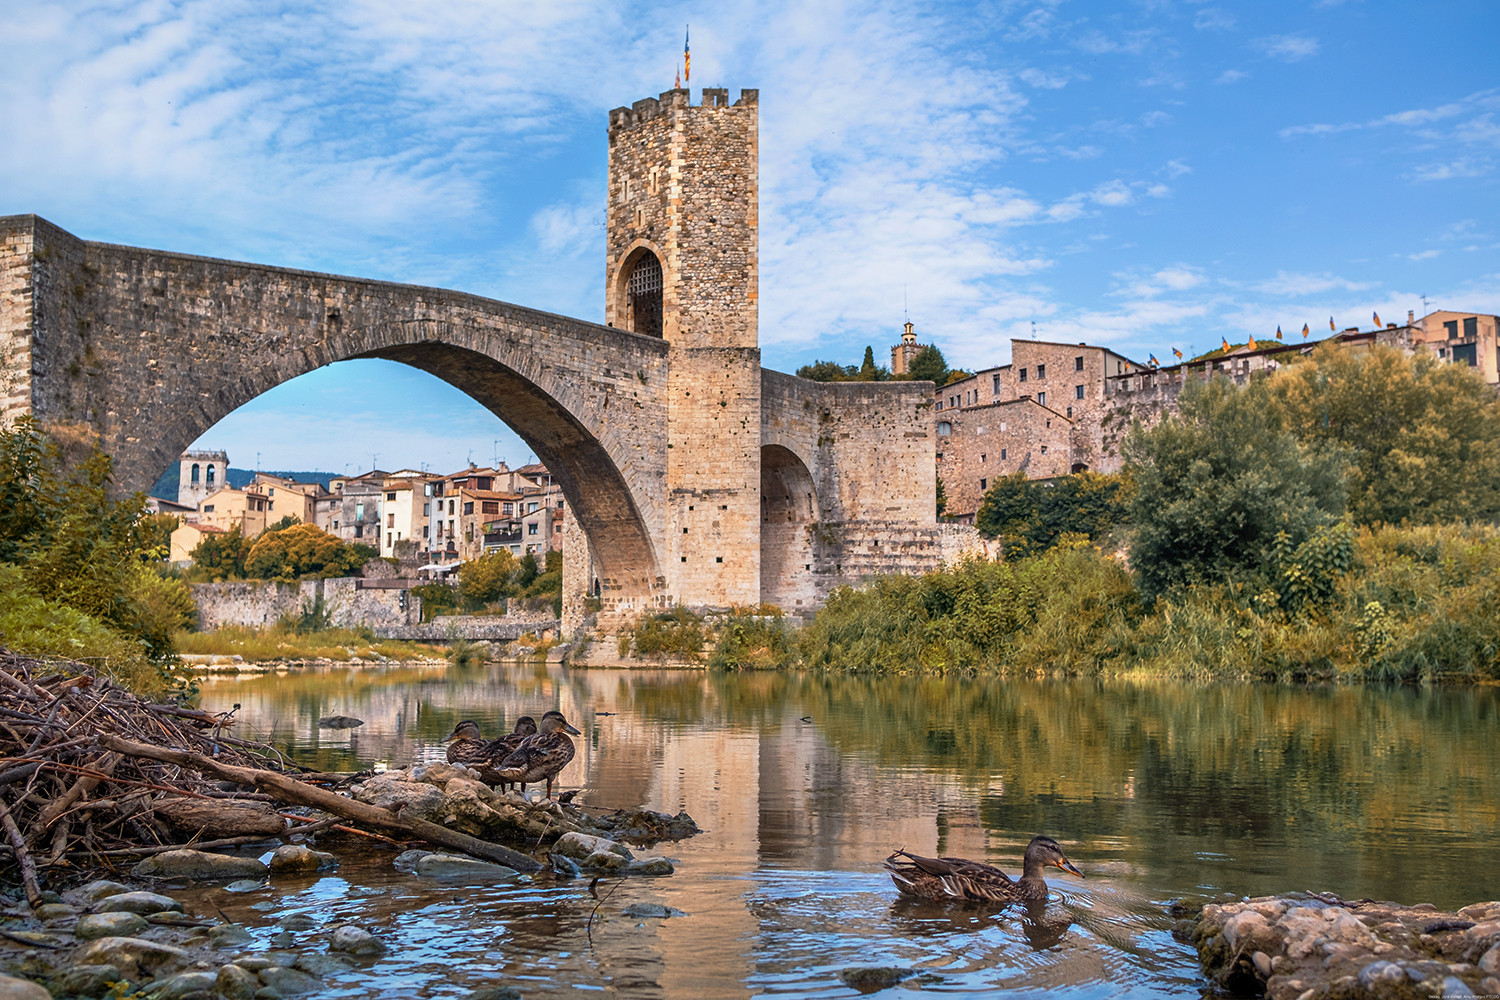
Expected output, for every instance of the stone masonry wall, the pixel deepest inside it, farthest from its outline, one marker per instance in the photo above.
(260, 603)
(985, 443)
(15, 322)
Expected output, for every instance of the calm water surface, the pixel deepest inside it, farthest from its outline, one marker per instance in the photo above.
(805, 783)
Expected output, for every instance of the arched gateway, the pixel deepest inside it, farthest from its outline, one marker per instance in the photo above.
(670, 442)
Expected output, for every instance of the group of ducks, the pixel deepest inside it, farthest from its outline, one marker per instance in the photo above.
(529, 753)
(533, 753)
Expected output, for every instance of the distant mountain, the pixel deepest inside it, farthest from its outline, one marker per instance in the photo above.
(166, 486)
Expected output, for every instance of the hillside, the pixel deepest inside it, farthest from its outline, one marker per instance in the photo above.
(166, 486)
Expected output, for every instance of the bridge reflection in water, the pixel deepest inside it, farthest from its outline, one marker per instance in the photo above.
(804, 783)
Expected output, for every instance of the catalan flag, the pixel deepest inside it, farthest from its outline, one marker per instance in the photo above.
(1226, 342)
(1378, 324)
(1153, 362)
(1278, 331)
(1305, 331)
(1178, 353)
(1251, 345)
(687, 59)
(677, 83)
(1331, 326)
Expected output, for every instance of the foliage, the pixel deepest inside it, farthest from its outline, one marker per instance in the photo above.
(437, 599)
(1218, 482)
(1424, 435)
(156, 535)
(286, 522)
(752, 640)
(677, 634)
(220, 556)
(488, 578)
(1029, 515)
(928, 365)
(283, 642)
(942, 497)
(304, 551)
(827, 371)
(78, 547)
(463, 653)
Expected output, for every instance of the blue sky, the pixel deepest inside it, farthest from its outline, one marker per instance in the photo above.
(1138, 175)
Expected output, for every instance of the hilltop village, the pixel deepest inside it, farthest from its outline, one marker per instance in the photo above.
(1064, 408)
(407, 515)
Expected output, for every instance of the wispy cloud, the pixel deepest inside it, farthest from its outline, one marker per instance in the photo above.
(1292, 284)
(1231, 76)
(1214, 19)
(1462, 167)
(1287, 48)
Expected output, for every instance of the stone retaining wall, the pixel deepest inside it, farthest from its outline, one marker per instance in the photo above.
(472, 627)
(260, 603)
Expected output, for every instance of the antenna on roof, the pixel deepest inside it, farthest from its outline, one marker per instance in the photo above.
(905, 312)
(1424, 305)
(1033, 329)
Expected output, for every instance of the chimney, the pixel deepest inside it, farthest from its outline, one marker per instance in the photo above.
(1411, 317)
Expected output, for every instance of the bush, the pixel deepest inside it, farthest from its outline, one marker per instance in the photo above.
(677, 634)
(753, 639)
(303, 551)
(1030, 515)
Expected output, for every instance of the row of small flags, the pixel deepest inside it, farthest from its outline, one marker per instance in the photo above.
(1253, 345)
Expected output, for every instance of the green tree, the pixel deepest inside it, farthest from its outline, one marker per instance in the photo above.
(826, 371)
(1218, 482)
(303, 551)
(942, 497)
(286, 522)
(488, 578)
(1030, 516)
(220, 556)
(928, 365)
(869, 371)
(1425, 435)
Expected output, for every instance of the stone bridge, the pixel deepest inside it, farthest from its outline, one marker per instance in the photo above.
(696, 477)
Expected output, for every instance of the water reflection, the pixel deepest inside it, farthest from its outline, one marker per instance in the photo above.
(805, 783)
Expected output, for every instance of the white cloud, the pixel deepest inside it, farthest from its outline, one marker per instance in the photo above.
(1462, 167)
(1231, 76)
(1176, 168)
(1424, 255)
(1291, 284)
(1214, 19)
(1288, 48)
(1042, 80)
(1113, 194)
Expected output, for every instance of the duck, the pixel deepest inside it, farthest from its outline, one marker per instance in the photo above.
(542, 756)
(975, 881)
(467, 746)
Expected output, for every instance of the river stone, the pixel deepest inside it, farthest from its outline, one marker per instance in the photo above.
(324, 966)
(12, 988)
(467, 808)
(579, 846)
(236, 983)
(254, 961)
(603, 861)
(296, 858)
(406, 861)
(185, 863)
(356, 941)
(171, 918)
(298, 922)
(119, 924)
(414, 799)
(289, 982)
(183, 986)
(439, 773)
(55, 911)
(650, 866)
(283, 939)
(868, 979)
(229, 936)
(86, 980)
(456, 866)
(495, 993)
(94, 891)
(129, 953)
(137, 902)
(1489, 963)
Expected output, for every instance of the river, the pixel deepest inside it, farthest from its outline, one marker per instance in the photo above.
(803, 783)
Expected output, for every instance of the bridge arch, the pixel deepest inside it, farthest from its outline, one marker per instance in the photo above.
(788, 511)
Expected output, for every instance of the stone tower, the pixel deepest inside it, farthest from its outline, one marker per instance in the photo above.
(681, 263)
(199, 474)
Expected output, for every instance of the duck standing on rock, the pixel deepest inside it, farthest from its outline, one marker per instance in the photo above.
(542, 756)
(962, 879)
(467, 746)
(507, 745)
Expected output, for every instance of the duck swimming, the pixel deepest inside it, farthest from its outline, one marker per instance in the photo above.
(962, 879)
(542, 756)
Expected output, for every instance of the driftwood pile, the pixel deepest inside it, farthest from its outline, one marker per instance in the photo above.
(93, 776)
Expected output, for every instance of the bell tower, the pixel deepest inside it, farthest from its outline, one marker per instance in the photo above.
(681, 264)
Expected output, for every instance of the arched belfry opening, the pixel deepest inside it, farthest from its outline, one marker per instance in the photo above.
(643, 293)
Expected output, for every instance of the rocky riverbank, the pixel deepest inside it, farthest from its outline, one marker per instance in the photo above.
(1318, 947)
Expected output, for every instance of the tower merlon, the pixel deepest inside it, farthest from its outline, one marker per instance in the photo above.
(649, 107)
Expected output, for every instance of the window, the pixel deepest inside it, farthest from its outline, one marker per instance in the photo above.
(390, 520)
(944, 428)
(940, 405)
(1044, 449)
(427, 509)
(359, 510)
(450, 506)
(1078, 392)
(469, 532)
(531, 528)
(1049, 423)
(984, 484)
(208, 508)
(359, 531)
(1070, 413)
(982, 459)
(210, 479)
(559, 505)
(483, 482)
(468, 506)
(425, 529)
(1002, 454)
(196, 473)
(1041, 371)
(1041, 398)
(1023, 374)
(509, 509)
(390, 497)
(1078, 363)
(490, 507)
(1471, 326)
(1451, 328)
(996, 379)
(1118, 367)
(335, 526)
(531, 507)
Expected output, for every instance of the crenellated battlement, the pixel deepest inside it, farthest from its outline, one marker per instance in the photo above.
(680, 99)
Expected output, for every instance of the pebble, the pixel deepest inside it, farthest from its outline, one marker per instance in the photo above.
(298, 922)
(185, 863)
(138, 902)
(97, 925)
(183, 986)
(55, 911)
(355, 941)
(236, 983)
(87, 980)
(458, 866)
(12, 988)
(292, 858)
(289, 982)
(128, 951)
(324, 966)
(229, 936)
(92, 892)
